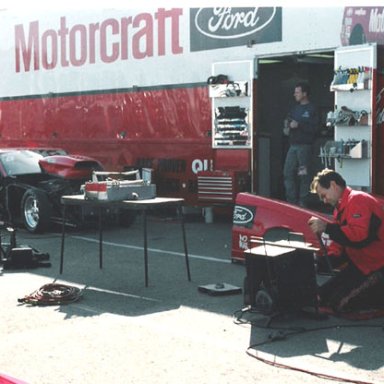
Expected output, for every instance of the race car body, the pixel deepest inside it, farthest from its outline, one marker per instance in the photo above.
(273, 219)
(33, 181)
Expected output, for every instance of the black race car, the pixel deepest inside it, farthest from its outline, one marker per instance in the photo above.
(32, 182)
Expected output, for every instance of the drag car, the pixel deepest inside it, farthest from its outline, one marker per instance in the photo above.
(271, 219)
(32, 182)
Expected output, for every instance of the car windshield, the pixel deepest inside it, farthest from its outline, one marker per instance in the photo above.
(20, 162)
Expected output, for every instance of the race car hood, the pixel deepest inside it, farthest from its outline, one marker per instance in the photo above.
(256, 215)
(70, 166)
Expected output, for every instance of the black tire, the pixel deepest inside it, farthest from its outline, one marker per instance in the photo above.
(35, 210)
(126, 217)
(264, 302)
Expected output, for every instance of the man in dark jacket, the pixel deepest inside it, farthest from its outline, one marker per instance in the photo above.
(357, 235)
(301, 126)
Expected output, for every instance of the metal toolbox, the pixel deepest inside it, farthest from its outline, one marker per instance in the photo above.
(115, 188)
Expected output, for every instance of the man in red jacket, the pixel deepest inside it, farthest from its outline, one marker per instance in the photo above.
(357, 234)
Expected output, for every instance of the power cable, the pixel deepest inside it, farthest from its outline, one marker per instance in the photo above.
(282, 333)
(317, 374)
(52, 294)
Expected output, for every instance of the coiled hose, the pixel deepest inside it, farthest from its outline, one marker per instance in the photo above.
(52, 294)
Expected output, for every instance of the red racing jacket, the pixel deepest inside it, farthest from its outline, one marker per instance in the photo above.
(358, 230)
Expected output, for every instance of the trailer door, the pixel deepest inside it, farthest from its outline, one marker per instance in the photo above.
(354, 145)
(378, 131)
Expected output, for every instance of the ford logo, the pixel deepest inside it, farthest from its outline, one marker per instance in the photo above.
(232, 23)
(242, 215)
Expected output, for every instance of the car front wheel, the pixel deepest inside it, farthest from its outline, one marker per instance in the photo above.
(36, 210)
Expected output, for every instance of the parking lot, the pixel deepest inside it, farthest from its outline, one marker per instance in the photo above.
(123, 332)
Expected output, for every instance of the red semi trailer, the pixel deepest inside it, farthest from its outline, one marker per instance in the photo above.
(129, 88)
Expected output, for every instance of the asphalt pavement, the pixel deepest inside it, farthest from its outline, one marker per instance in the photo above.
(121, 331)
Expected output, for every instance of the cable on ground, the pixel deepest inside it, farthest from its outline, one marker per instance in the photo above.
(282, 334)
(52, 294)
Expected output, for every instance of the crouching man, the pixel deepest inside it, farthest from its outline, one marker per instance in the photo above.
(357, 235)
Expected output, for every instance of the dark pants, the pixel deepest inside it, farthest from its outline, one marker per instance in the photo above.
(297, 173)
(351, 290)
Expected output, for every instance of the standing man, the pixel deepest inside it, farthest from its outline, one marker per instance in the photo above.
(301, 126)
(357, 236)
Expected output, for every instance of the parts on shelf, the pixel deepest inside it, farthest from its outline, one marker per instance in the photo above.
(231, 101)
(346, 116)
(229, 89)
(231, 126)
(354, 86)
(351, 78)
(350, 149)
(219, 79)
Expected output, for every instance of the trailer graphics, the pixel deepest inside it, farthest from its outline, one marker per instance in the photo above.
(106, 41)
(221, 27)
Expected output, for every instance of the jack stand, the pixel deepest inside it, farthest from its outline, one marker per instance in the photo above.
(219, 289)
(22, 256)
(12, 244)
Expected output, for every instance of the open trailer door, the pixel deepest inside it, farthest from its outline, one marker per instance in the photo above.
(378, 129)
(354, 85)
(276, 77)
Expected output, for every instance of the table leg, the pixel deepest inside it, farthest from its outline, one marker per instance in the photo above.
(184, 242)
(145, 247)
(100, 238)
(62, 242)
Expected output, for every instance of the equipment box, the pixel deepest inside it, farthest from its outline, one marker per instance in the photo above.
(116, 189)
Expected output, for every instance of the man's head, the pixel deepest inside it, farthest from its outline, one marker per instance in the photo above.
(329, 186)
(301, 93)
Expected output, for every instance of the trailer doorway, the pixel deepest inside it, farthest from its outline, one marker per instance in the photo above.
(276, 79)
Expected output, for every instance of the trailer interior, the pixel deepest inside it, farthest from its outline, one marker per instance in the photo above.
(276, 80)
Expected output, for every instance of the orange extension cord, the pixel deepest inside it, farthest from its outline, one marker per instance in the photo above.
(52, 294)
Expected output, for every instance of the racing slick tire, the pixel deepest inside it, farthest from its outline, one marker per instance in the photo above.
(35, 210)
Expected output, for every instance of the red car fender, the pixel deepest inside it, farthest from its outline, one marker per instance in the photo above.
(256, 215)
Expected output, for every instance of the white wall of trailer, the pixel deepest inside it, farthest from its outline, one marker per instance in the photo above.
(303, 29)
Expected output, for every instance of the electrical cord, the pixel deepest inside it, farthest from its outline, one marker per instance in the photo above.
(52, 294)
(240, 320)
(279, 333)
(317, 374)
(282, 333)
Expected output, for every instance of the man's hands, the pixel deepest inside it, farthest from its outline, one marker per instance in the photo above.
(293, 124)
(317, 225)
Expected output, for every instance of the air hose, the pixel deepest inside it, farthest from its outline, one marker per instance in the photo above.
(52, 294)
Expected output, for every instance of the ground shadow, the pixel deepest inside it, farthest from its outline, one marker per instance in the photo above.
(330, 340)
(119, 286)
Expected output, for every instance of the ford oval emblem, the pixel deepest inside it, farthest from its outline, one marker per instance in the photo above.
(232, 23)
(242, 215)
